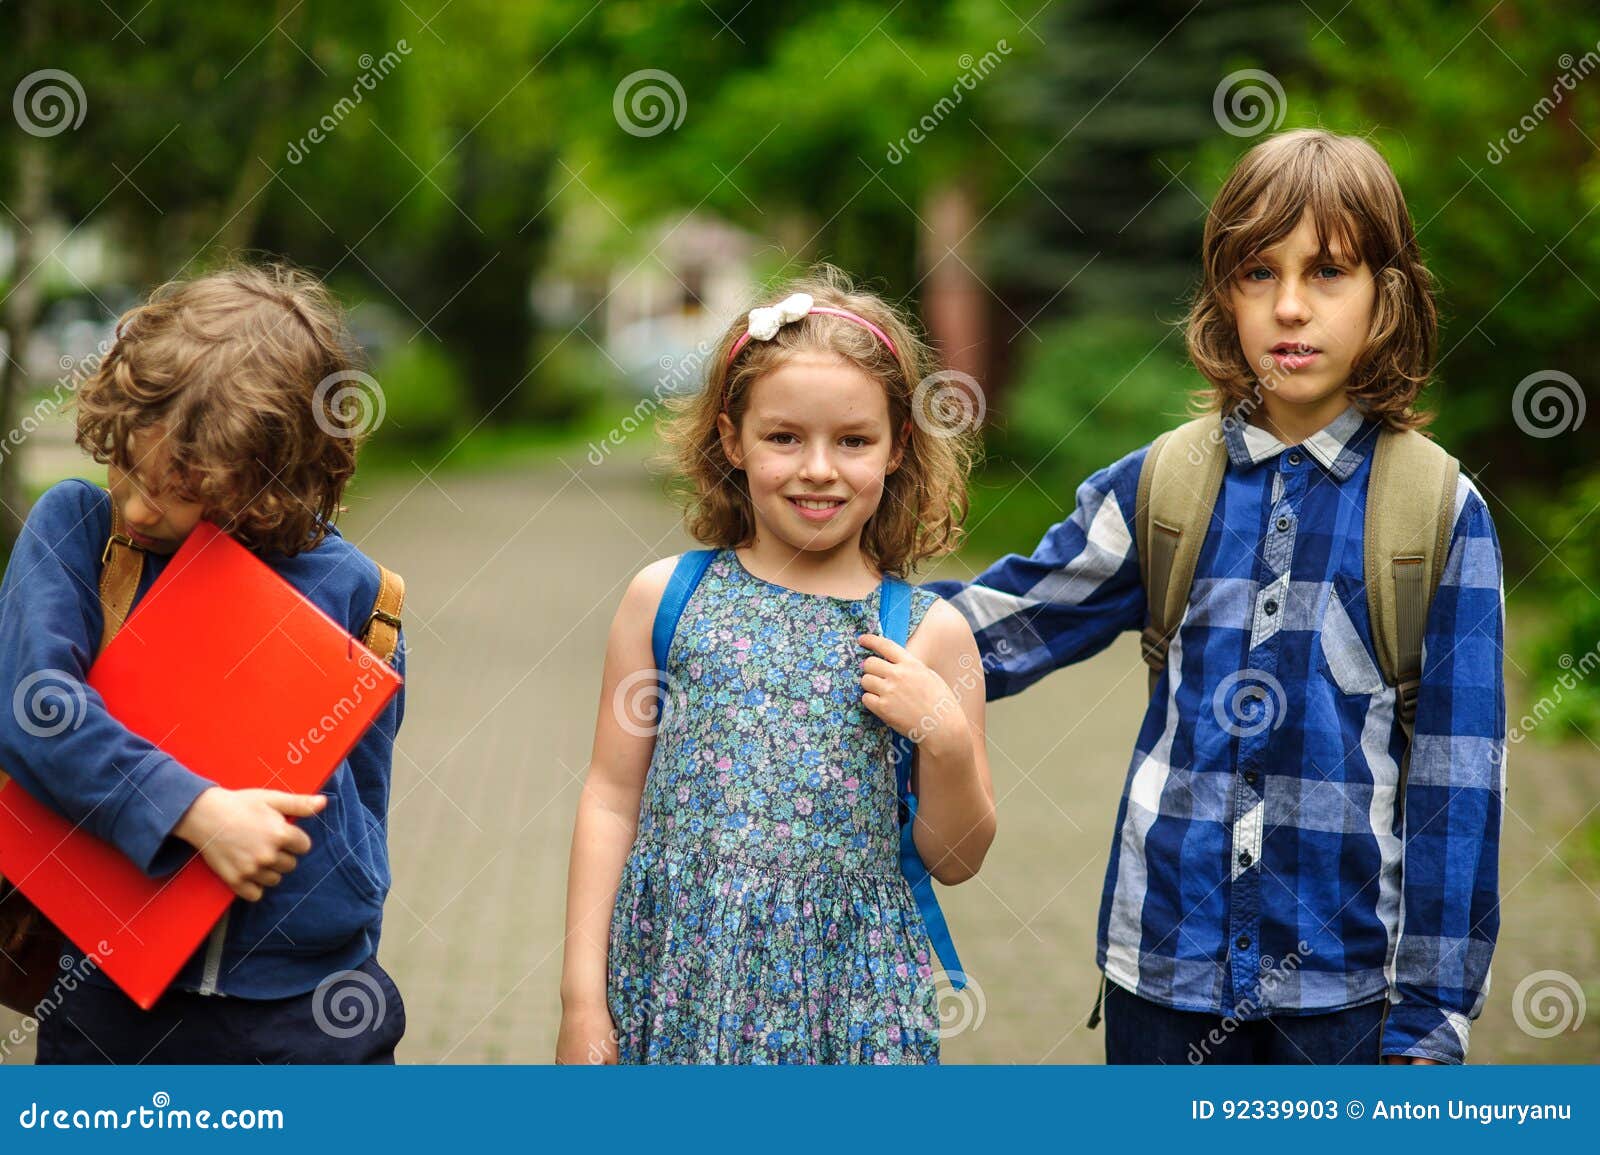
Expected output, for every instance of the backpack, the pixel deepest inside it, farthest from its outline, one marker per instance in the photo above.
(30, 944)
(894, 623)
(1410, 500)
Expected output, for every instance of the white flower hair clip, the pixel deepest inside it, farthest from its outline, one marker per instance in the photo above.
(767, 320)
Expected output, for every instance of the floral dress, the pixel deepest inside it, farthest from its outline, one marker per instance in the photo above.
(761, 916)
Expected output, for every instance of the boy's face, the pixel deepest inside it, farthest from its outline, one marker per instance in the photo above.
(816, 431)
(156, 516)
(1303, 317)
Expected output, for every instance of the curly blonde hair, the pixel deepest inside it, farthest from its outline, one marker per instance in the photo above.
(924, 500)
(1353, 196)
(236, 367)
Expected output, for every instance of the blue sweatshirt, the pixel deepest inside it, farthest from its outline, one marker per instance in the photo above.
(327, 913)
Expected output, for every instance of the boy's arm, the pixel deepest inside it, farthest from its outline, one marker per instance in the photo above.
(56, 737)
(1069, 600)
(1449, 912)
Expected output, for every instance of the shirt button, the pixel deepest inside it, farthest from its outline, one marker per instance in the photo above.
(1270, 606)
(1294, 459)
(1244, 858)
(1242, 942)
(1250, 777)
(1283, 524)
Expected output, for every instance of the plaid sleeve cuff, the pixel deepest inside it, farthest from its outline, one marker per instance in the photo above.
(1418, 1031)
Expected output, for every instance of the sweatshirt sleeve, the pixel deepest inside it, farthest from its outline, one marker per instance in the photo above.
(57, 739)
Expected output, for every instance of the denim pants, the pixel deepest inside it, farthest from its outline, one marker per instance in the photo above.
(357, 1019)
(1140, 1031)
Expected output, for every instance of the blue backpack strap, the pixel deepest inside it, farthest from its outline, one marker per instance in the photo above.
(686, 576)
(894, 623)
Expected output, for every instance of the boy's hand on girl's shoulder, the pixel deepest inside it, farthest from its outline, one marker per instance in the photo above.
(909, 695)
(245, 836)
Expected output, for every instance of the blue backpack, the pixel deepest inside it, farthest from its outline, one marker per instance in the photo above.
(894, 623)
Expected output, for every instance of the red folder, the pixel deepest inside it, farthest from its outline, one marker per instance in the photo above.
(228, 668)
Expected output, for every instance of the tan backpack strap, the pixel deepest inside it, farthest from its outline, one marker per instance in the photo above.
(1407, 542)
(381, 634)
(121, 563)
(1178, 486)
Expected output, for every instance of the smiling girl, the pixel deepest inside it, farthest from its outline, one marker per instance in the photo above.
(736, 891)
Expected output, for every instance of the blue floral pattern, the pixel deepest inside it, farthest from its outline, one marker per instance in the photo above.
(761, 916)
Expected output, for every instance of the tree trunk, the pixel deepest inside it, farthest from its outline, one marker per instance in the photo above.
(21, 314)
(955, 301)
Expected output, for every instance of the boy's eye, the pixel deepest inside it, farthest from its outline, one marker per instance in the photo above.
(1332, 271)
(1250, 275)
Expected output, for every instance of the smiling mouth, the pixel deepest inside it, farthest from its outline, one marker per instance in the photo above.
(817, 508)
(1288, 349)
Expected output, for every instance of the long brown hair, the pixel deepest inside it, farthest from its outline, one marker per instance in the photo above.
(1353, 196)
(924, 500)
(237, 367)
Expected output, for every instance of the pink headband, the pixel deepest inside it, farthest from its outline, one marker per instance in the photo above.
(765, 322)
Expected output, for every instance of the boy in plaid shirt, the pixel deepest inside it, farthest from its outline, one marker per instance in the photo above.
(1294, 877)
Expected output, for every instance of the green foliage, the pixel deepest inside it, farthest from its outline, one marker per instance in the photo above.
(425, 401)
(1563, 655)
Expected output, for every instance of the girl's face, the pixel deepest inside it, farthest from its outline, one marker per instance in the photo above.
(1303, 316)
(157, 517)
(815, 446)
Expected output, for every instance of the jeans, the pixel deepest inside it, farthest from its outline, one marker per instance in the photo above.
(355, 1019)
(1140, 1031)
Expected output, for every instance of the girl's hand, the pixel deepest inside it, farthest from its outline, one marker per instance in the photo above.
(587, 1037)
(909, 696)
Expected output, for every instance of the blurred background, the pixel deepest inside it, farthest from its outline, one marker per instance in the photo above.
(541, 215)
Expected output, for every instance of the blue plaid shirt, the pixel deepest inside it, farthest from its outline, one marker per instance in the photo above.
(1260, 865)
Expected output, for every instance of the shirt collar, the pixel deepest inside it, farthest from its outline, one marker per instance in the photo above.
(1339, 446)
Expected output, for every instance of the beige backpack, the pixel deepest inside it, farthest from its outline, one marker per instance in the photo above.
(1410, 500)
